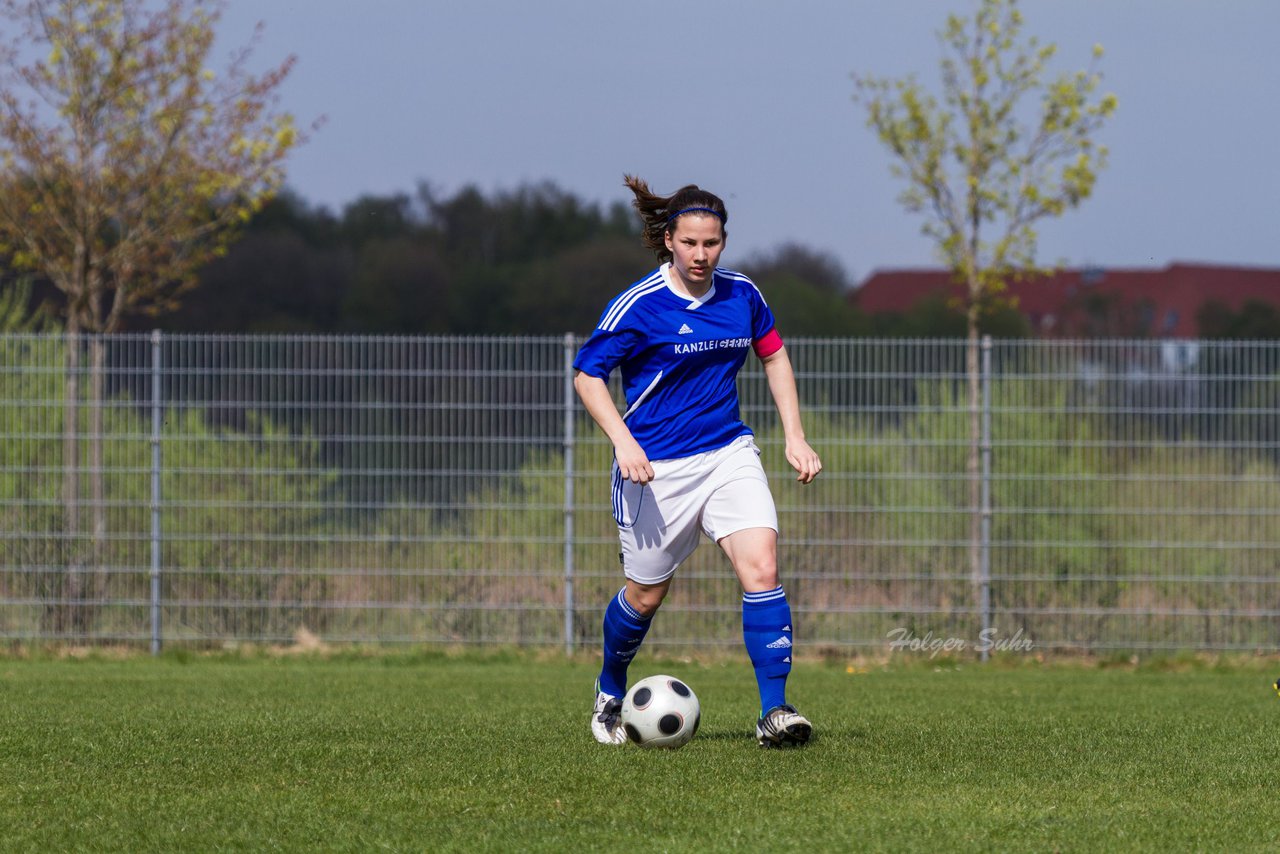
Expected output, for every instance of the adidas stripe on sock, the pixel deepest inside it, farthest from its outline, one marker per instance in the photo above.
(624, 630)
(766, 631)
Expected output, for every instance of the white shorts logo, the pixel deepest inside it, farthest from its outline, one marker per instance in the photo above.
(783, 642)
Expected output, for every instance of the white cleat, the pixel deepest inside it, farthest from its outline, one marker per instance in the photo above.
(783, 726)
(606, 720)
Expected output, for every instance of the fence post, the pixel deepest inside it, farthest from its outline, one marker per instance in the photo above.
(568, 491)
(984, 552)
(156, 424)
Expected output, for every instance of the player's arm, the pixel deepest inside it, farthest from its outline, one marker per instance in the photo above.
(782, 385)
(632, 460)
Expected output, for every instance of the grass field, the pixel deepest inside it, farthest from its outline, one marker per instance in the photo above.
(490, 752)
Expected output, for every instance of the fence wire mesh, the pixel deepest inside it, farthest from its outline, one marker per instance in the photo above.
(205, 490)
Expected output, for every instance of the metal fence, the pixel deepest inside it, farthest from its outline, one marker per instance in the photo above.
(205, 490)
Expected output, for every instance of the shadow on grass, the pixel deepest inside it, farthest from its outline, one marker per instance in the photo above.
(824, 734)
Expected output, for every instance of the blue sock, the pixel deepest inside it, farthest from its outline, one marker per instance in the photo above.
(766, 630)
(624, 629)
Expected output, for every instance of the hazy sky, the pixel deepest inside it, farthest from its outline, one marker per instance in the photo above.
(752, 100)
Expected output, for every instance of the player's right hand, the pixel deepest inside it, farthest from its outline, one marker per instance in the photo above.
(633, 463)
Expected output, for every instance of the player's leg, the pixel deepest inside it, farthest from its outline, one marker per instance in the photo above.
(767, 634)
(656, 531)
(741, 517)
(626, 622)
(766, 614)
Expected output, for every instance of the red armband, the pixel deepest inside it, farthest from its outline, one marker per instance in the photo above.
(769, 344)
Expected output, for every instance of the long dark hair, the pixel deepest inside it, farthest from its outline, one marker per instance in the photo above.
(659, 212)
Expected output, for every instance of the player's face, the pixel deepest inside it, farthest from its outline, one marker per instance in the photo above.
(695, 245)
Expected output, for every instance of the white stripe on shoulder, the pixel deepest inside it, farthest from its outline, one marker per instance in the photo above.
(617, 314)
(739, 277)
(627, 298)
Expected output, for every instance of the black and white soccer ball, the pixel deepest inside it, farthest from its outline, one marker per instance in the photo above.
(661, 711)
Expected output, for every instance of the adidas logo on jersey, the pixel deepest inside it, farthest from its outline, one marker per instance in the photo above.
(783, 642)
(684, 330)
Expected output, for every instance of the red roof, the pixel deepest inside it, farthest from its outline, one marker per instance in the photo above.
(1160, 302)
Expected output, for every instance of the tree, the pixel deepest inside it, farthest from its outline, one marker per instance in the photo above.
(566, 292)
(819, 270)
(400, 287)
(131, 164)
(270, 281)
(287, 272)
(984, 166)
(938, 316)
(379, 218)
(494, 243)
(16, 314)
(1256, 320)
(126, 163)
(806, 289)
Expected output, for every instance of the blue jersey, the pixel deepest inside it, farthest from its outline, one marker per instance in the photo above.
(680, 359)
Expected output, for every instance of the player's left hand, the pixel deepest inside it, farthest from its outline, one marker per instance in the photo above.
(803, 459)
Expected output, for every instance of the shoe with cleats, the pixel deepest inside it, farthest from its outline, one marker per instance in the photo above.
(606, 720)
(783, 726)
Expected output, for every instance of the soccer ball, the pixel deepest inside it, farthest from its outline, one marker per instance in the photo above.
(660, 711)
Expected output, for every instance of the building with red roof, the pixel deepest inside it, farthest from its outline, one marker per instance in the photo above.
(1093, 301)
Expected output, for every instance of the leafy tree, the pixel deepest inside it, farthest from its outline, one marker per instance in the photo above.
(287, 212)
(16, 314)
(819, 270)
(126, 163)
(499, 246)
(801, 308)
(984, 167)
(141, 163)
(291, 271)
(400, 287)
(937, 316)
(567, 291)
(378, 218)
(1107, 314)
(533, 222)
(1214, 319)
(806, 289)
(1256, 320)
(272, 280)
(534, 260)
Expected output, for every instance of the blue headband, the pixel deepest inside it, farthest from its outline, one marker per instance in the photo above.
(714, 213)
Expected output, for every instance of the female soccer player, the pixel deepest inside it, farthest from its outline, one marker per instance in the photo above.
(684, 463)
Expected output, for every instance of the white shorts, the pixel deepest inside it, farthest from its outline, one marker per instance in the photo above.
(716, 493)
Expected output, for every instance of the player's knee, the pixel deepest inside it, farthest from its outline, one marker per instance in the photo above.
(646, 598)
(648, 604)
(758, 574)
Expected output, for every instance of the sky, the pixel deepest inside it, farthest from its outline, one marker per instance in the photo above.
(752, 99)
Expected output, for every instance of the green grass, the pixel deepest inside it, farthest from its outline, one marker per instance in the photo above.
(490, 752)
